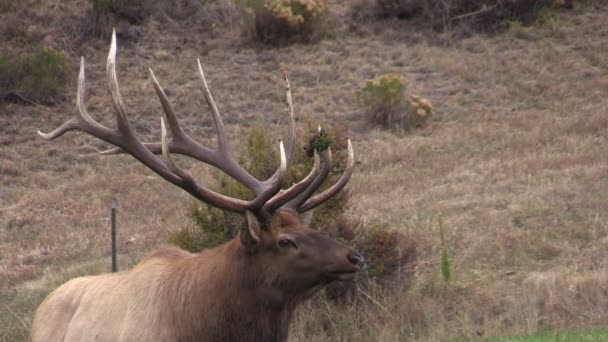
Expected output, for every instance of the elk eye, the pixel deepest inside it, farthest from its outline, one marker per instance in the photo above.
(284, 243)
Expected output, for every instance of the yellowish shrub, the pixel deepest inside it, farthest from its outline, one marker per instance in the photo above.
(296, 12)
(384, 103)
(278, 21)
(420, 111)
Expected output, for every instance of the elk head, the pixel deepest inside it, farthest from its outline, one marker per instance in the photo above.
(273, 237)
(293, 258)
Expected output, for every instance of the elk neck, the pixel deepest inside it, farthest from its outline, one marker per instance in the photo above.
(242, 296)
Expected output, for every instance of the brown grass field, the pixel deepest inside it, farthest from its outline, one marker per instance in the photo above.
(514, 162)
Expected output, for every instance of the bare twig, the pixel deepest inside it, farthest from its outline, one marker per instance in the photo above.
(472, 14)
(374, 301)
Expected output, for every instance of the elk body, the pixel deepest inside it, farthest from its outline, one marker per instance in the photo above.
(244, 290)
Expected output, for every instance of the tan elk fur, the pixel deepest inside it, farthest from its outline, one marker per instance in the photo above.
(222, 294)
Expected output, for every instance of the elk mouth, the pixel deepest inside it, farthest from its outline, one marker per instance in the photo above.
(342, 275)
(345, 272)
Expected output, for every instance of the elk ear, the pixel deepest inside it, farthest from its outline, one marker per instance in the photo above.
(250, 232)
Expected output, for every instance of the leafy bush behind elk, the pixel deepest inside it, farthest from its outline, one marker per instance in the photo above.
(390, 254)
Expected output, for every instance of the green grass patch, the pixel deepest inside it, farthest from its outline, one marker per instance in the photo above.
(591, 335)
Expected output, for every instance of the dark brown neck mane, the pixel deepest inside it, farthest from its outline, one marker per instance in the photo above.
(221, 295)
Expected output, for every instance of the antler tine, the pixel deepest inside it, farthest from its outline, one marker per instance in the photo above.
(326, 161)
(190, 185)
(59, 131)
(176, 130)
(169, 114)
(82, 120)
(284, 196)
(272, 185)
(165, 148)
(283, 164)
(222, 158)
(121, 113)
(266, 201)
(217, 118)
(125, 139)
(181, 143)
(81, 94)
(334, 189)
(264, 190)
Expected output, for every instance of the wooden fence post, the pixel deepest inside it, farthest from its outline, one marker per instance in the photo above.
(114, 262)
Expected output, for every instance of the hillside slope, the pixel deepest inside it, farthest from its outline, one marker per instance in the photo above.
(515, 162)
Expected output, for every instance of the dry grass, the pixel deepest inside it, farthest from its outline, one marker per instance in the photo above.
(514, 161)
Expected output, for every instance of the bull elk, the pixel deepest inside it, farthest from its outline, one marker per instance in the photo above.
(244, 290)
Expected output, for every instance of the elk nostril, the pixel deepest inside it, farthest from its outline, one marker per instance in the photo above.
(356, 259)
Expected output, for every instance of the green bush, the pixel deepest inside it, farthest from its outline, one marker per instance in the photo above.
(385, 92)
(212, 226)
(38, 77)
(46, 74)
(385, 103)
(390, 254)
(278, 22)
(10, 74)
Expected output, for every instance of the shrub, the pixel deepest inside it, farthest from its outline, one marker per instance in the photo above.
(385, 91)
(470, 15)
(212, 226)
(391, 254)
(390, 257)
(383, 102)
(10, 74)
(108, 14)
(38, 77)
(278, 22)
(127, 15)
(47, 72)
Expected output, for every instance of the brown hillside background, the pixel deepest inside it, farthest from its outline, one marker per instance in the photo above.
(514, 161)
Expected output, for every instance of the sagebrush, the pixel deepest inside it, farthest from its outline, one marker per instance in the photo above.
(385, 103)
(278, 22)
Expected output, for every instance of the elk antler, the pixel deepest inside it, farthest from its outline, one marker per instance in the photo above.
(268, 198)
(304, 202)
